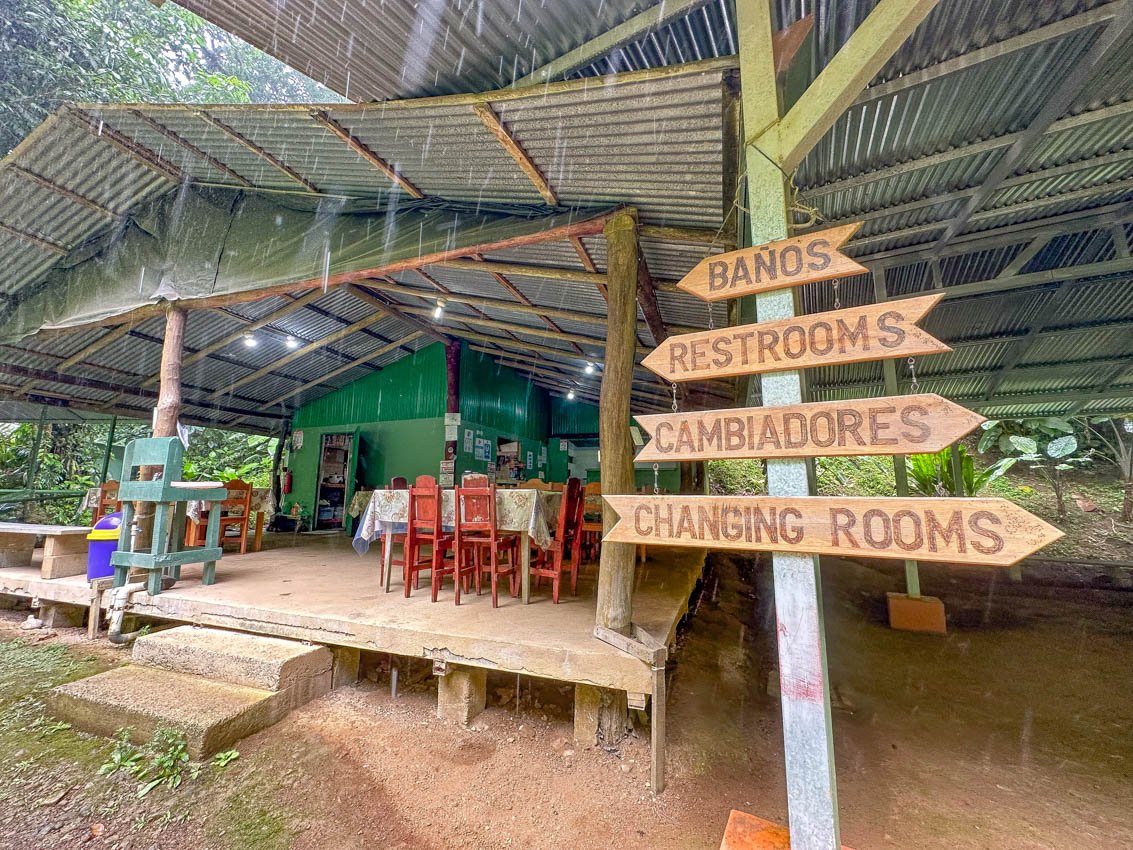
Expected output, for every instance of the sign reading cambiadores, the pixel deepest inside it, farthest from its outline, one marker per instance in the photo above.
(994, 532)
(874, 332)
(776, 265)
(911, 424)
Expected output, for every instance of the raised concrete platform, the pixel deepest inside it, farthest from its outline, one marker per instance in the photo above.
(217, 687)
(318, 589)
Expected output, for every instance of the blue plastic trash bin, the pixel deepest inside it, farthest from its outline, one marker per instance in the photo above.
(102, 542)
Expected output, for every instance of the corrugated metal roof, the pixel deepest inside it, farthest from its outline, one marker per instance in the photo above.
(907, 161)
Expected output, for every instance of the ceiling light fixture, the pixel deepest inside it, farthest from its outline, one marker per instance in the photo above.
(589, 370)
(439, 311)
(292, 342)
(250, 340)
(570, 395)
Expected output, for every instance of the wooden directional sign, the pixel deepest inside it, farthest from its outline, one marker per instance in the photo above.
(874, 332)
(912, 424)
(776, 265)
(994, 532)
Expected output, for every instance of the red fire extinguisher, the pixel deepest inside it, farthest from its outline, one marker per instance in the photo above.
(287, 481)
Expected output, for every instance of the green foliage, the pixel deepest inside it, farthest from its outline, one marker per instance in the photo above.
(167, 757)
(225, 758)
(123, 757)
(865, 476)
(736, 477)
(216, 455)
(931, 474)
(1050, 446)
(127, 51)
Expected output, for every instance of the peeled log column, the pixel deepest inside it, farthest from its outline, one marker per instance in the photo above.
(168, 407)
(615, 572)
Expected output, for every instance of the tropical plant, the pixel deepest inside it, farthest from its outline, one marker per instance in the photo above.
(1115, 433)
(932, 474)
(1050, 446)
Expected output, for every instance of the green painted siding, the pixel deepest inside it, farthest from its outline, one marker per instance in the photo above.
(573, 418)
(411, 388)
(498, 398)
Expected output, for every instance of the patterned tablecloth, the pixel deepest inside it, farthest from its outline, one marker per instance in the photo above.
(359, 502)
(516, 510)
(262, 501)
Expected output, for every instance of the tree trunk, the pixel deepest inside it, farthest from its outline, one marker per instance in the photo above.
(452, 404)
(615, 572)
(1127, 503)
(167, 410)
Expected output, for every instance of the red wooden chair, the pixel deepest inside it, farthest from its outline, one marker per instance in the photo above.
(107, 501)
(478, 537)
(552, 562)
(398, 483)
(425, 530)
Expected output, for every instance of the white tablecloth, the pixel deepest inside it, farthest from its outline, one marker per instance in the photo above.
(516, 510)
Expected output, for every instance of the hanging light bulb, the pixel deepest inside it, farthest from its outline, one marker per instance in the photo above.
(570, 395)
(292, 342)
(589, 370)
(250, 340)
(439, 311)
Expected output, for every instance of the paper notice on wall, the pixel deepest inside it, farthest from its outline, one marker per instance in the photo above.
(452, 433)
(531, 460)
(447, 479)
(452, 419)
(468, 438)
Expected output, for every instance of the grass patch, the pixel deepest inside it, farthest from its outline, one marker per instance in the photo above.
(248, 820)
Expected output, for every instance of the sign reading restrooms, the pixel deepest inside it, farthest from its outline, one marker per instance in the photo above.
(994, 532)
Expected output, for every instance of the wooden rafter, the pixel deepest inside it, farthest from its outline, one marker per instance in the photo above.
(272, 160)
(63, 191)
(390, 287)
(1112, 39)
(588, 264)
(524, 270)
(215, 163)
(397, 311)
(492, 121)
(647, 298)
(867, 50)
(33, 239)
(113, 335)
(131, 148)
(365, 153)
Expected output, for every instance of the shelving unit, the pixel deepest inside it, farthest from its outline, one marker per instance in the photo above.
(334, 462)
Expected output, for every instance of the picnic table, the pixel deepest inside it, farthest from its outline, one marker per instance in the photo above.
(64, 550)
(519, 510)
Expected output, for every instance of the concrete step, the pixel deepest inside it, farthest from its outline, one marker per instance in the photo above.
(272, 664)
(212, 715)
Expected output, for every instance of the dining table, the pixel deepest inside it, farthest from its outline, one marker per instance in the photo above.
(519, 510)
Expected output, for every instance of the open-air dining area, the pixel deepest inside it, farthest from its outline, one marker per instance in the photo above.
(574, 425)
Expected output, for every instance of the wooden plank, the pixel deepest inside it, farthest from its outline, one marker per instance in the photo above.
(63, 191)
(267, 157)
(990, 532)
(378, 162)
(809, 258)
(33, 239)
(504, 136)
(625, 643)
(542, 272)
(858, 61)
(853, 335)
(42, 528)
(911, 424)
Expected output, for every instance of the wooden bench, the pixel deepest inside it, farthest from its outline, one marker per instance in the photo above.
(64, 552)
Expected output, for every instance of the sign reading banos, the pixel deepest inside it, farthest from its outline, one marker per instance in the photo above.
(777, 265)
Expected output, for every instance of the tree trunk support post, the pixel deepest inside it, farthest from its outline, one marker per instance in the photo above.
(167, 410)
(452, 384)
(616, 564)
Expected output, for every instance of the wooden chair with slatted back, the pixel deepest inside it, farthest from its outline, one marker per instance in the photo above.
(234, 511)
(107, 501)
(479, 542)
(425, 530)
(592, 528)
(566, 548)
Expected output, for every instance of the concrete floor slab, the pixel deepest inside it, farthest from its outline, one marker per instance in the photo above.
(319, 589)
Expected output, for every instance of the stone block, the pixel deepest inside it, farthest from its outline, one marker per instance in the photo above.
(587, 705)
(461, 693)
(916, 614)
(347, 664)
(57, 616)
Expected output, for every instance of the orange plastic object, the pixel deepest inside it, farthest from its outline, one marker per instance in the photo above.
(747, 832)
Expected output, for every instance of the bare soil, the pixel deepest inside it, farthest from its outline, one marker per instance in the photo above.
(1009, 733)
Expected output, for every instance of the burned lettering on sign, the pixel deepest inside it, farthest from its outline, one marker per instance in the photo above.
(875, 332)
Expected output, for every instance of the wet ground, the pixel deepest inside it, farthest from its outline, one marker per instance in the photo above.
(1011, 732)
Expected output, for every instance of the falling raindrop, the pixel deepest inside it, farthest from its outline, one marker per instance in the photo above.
(326, 266)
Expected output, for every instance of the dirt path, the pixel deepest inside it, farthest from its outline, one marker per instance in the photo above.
(1010, 733)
